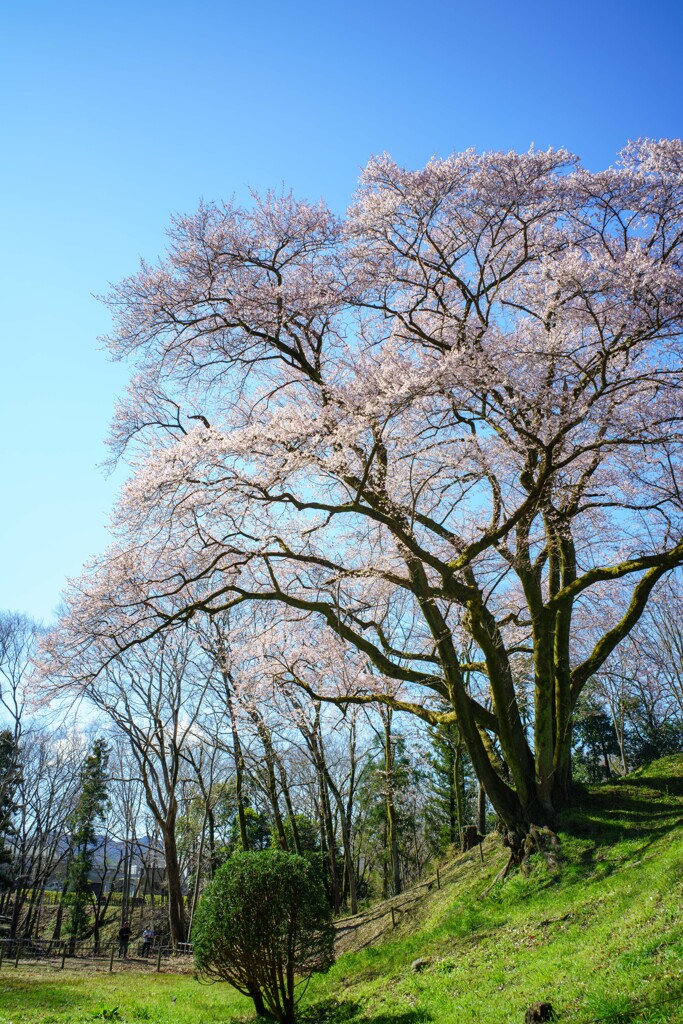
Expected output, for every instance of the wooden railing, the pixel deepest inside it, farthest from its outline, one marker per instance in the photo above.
(57, 953)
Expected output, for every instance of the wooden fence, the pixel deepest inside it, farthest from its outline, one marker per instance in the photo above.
(69, 953)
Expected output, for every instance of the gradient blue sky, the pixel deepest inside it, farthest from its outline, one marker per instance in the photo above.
(114, 116)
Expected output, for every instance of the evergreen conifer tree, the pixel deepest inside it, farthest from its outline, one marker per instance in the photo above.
(87, 814)
(10, 775)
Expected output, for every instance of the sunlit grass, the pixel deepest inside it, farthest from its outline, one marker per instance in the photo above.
(41, 994)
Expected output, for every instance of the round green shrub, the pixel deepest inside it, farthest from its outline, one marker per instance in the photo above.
(264, 924)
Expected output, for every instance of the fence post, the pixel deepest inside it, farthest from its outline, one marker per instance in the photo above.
(111, 958)
(159, 957)
(438, 879)
(393, 918)
(16, 958)
(2, 953)
(63, 955)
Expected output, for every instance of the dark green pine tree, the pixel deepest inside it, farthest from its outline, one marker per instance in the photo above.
(10, 776)
(85, 818)
(449, 807)
(385, 801)
(594, 741)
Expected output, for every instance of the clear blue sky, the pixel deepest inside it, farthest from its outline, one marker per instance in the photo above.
(115, 115)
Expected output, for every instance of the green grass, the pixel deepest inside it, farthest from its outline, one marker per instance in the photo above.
(41, 994)
(602, 939)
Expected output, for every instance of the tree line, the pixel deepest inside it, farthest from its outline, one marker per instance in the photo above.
(182, 762)
(178, 766)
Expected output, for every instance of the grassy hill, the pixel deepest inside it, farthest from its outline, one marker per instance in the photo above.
(601, 938)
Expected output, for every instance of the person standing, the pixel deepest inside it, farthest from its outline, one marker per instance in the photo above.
(124, 939)
(147, 940)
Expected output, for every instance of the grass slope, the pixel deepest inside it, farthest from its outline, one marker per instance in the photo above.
(602, 939)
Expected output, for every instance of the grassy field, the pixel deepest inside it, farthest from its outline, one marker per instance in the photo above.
(601, 939)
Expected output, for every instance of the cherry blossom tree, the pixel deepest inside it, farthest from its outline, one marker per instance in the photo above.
(436, 435)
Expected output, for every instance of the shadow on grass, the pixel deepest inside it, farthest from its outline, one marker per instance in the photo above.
(617, 813)
(28, 993)
(333, 1011)
(619, 1008)
(670, 785)
(407, 1017)
(330, 1011)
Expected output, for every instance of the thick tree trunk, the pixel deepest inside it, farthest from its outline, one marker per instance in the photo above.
(241, 813)
(481, 810)
(28, 924)
(57, 931)
(257, 998)
(291, 816)
(458, 786)
(198, 877)
(350, 860)
(517, 807)
(331, 844)
(563, 775)
(239, 764)
(349, 866)
(324, 859)
(125, 885)
(176, 903)
(349, 874)
(544, 714)
(313, 737)
(96, 924)
(452, 803)
(19, 900)
(271, 782)
(222, 662)
(392, 827)
(213, 860)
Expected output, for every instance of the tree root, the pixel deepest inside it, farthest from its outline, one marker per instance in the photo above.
(543, 841)
(503, 873)
(521, 846)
